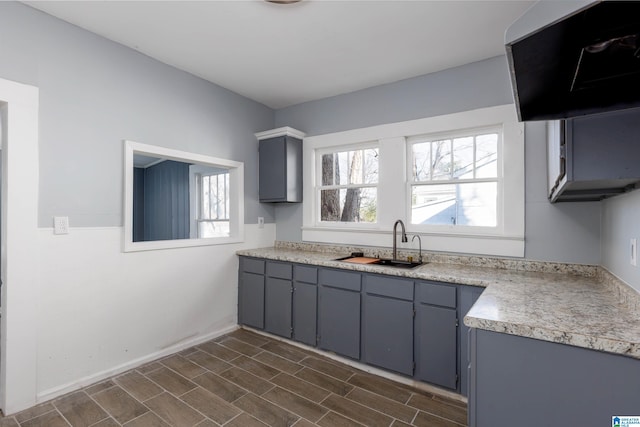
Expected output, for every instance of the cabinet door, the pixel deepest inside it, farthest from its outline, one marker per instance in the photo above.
(273, 171)
(305, 299)
(339, 321)
(251, 301)
(468, 296)
(277, 306)
(388, 333)
(436, 349)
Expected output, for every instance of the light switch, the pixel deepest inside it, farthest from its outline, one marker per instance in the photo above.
(60, 225)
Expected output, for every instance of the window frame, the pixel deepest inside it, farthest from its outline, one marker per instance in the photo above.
(319, 187)
(499, 180)
(236, 182)
(393, 200)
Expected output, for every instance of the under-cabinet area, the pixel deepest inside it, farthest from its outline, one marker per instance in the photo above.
(405, 326)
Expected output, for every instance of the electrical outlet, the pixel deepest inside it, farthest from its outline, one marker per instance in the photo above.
(634, 252)
(260, 222)
(60, 225)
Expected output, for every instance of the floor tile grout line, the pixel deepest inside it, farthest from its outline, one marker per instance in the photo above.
(195, 409)
(53, 408)
(102, 420)
(438, 416)
(279, 406)
(62, 415)
(319, 386)
(369, 407)
(289, 410)
(210, 355)
(148, 379)
(330, 376)
(168, 391)
(382, 397)
(246, 342)
(102, 407)
(91, 399)
(137, 400)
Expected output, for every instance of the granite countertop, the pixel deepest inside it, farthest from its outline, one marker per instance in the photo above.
(584, 307)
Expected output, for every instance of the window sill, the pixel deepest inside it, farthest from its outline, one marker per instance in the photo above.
(493, 245)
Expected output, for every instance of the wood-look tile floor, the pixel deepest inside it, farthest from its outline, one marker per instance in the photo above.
(244, 379)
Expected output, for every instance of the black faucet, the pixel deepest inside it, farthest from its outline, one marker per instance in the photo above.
(403, 237)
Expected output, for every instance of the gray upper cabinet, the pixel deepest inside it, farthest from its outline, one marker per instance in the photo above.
(593, 157)
(387, 326)
(280, 165)
(436, 336)
(339, 312)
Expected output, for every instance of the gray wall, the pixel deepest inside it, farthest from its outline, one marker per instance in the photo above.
(566, 233)
(94, 93)
(620, 223)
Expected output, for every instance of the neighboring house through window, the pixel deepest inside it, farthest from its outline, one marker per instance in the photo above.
(454, 179)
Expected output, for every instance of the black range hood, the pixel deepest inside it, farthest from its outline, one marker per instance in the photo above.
(572, 58)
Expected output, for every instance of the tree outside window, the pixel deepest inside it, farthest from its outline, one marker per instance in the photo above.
(348, 190)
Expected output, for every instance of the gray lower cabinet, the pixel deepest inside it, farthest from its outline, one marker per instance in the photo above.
(305, 304)
(387, 323)
(436, 337)
(405, 326)
(277, 299)
(531, 383)
(339, 312)
(251, 292)
(468, 295)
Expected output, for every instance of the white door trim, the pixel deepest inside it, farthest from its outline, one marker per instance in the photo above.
(19, 240)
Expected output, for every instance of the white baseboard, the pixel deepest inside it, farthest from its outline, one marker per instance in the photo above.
(52, 393)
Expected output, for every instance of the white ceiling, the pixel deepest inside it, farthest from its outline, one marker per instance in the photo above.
(281, 55)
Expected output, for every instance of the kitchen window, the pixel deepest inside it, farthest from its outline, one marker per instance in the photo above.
(455, 179)
(347, 190)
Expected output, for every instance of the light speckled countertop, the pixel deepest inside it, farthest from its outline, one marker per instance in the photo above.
(590, 309)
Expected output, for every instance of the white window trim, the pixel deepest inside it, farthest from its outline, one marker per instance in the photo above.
(506, 242)
(236, 214)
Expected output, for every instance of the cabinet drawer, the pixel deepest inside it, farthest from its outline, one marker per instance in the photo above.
(251, 265)
(436, 294)
(305, 274)
(341, 279)
(279, 270)
(389, 287)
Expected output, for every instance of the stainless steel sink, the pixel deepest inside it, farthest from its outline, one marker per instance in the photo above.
(396, 263)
